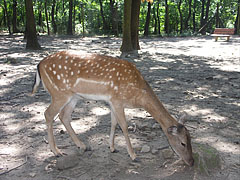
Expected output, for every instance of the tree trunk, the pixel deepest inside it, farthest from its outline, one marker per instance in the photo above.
(166, 24)
(105, 26)
(135, 24)
(217, 17)
(114, 17)
(46, 15)
(189, 14)
(14, 20)
(127, 41)
(74, 15)
(194, 15)
(8, 18)
(69, 27)
(204, 19)
(53, 17)
(31, 34)
(181, 17)
(158, 18)
(146, 27)
(237, 22)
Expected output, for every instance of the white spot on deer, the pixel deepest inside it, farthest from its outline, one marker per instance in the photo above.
(75, 64)
(117, 73)
(107, 69)
(58, 77)
(125, 70)
(45, 66)
(65, 67)
(67, 80)
(113, 69)
(110, 77)
(54, 72)
(101, 74)
(54, 65)
(64, 81)
(72, 73)
(91, 70)
(78, 72)
(62, 75)
(66, 57)
(50, 69)
(112, 84)
(119, 78)
(71, 61)
(98, 65)
(115, 88)
(60, 66)
(86, 71)
(79, 65)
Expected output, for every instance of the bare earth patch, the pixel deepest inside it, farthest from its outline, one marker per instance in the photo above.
(195, 75)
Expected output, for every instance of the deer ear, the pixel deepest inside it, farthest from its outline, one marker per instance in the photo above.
(182, 119)
(173, 130)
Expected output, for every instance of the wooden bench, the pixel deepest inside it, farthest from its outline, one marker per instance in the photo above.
(223, 32)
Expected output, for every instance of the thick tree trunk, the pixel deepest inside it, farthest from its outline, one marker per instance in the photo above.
(127, 41)
(31, 34)
(69, 27)
(146, 27)
(135, 24)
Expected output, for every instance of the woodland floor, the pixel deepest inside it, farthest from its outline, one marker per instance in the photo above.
(195, 75)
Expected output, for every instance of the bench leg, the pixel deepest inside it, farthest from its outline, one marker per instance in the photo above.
(228, 38)
(216, 38)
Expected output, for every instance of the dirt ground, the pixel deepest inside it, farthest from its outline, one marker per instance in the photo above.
(193, 75)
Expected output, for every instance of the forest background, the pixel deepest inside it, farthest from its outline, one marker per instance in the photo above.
(105, 17)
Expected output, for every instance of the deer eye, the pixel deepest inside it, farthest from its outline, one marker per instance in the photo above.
(183, 144)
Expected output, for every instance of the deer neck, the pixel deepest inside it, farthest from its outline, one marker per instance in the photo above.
(152, 104)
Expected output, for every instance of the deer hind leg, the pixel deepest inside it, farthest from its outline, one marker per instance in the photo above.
(51, 112)
(119, 114)
(65, 117)
(112, 133)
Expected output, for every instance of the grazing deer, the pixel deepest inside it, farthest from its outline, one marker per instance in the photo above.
(68, 76)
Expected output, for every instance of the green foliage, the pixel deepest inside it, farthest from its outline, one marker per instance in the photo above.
(87, 16)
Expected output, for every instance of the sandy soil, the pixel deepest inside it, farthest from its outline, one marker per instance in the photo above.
(195, 75)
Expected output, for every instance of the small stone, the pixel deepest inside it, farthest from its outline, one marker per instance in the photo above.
(154, 151)
(167, 153)
(156, 126)
(145, 149)
(66, 162)
(32, 174)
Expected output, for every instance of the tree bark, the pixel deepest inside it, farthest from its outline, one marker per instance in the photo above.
(69, 27)
(126, 40)
(105, 26)
(181, 17)
(194, 15)
(135, 11)
(146, 27)
(14, 20)
(31, 33)
(53, 17)
(237, 22)
(158, 18)
(114, 17)
(166, 24)
(189, 14)
(46, 15)
(7, 15)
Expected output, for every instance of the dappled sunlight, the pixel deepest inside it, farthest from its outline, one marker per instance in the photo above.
(100, 111)
(11, 149)
(220, 144)
(207, 115)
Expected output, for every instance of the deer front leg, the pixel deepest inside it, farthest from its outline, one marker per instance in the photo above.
(118, 111)
(50, 114)
(65, 117)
